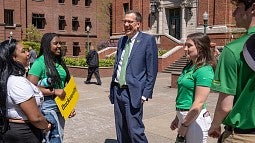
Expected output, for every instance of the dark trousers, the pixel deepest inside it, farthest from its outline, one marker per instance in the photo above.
(22, 133)
(94, 70)
(128, 120)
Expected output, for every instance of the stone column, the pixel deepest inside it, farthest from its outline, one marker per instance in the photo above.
(183, 25)
(160, 20)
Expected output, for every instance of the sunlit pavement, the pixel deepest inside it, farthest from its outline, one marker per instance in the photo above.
(94, 122)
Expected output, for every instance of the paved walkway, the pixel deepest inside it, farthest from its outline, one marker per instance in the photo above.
(94, 122)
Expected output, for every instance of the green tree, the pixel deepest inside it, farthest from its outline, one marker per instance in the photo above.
(33, 34)
(104, 15)
(34, 45)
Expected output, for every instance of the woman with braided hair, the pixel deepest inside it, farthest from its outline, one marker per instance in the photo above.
(50, 65)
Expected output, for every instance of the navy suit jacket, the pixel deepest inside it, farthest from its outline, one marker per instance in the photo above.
(142, 67)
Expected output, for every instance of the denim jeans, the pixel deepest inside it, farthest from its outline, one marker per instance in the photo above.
(53, 115)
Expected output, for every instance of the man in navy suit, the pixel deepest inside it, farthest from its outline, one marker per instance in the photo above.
(140, 73)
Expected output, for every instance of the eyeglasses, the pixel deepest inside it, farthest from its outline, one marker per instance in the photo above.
(128, 21)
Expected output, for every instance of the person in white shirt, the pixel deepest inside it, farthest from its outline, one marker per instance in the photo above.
(23, 121)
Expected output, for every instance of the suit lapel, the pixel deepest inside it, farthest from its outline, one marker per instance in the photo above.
(138, 41)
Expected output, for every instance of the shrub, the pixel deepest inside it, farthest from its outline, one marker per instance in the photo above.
(76, 62)
(82, 62)
(35, 45)
(106, 62)
(33, 34)
(109, 62)
(161, 52)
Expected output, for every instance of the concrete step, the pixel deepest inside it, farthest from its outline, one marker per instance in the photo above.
(174, 67)
(175, 70)
(177, 66)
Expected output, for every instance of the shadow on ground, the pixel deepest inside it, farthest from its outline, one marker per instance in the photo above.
(110, 141)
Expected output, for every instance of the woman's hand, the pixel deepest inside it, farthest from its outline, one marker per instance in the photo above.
(182, 130)
(48, 128)
(214, 131)
(72, 114)
(60, 93)
(174, 123)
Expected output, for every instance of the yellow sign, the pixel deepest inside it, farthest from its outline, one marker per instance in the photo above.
(67, 104)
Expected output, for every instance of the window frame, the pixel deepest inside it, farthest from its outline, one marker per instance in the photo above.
(88, 3)
(61, 1)
(38, 18)
(75, 2)
(9, 17)
(76, 47)
(75, 23)
(87, 23)
(61, 22)
(126, 7)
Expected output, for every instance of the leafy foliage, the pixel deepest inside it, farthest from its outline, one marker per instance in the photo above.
(106, 62)
(33, 34)
(34, 45)
(76, 61)
(82, 62)
(161, 52)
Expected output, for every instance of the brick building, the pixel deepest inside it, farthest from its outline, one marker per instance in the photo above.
(172, 20)
(169, 20)
(119, 8)
(69, 18)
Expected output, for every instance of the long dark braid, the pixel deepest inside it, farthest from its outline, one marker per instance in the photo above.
(50, 60)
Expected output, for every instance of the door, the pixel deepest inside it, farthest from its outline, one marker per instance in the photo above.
(174, 22)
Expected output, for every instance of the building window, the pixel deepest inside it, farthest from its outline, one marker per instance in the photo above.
(63, 48)
(61, 1)
(75, 23)
(87, 23)
(87, 2)
(75, 2)
(61, 22)
(8, 17)
(76, 49)
(38, 20)
(126, 7)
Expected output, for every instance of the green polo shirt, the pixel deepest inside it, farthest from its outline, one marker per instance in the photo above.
(233, 76)
(187, 82)
(38, 69)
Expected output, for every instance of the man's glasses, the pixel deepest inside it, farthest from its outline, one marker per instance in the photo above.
(128, 21)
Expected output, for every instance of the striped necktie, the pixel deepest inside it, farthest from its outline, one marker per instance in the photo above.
(122, 78)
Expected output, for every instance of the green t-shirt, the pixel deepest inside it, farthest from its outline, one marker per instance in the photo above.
(187, 82)
(38, 69)
(233, 76)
